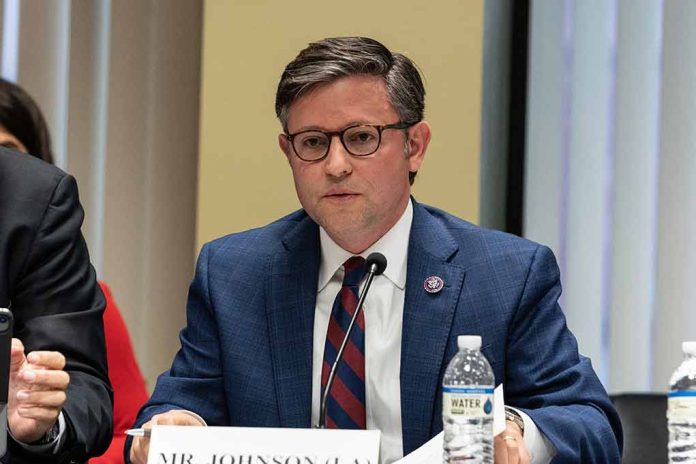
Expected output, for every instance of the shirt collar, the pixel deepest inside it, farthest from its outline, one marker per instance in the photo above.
(393, 245)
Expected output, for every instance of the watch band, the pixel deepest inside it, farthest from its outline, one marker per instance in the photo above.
(514, 417)
(49, 437)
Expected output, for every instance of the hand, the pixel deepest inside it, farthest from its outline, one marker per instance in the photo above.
(141, 445)
(36, 392)
(510, 447)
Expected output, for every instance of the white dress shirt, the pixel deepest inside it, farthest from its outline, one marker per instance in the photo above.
(383, 312)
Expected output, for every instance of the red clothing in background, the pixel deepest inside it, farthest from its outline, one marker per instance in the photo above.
(126, 379)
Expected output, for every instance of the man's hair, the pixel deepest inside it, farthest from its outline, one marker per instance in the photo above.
(328, 60)
(21, 117)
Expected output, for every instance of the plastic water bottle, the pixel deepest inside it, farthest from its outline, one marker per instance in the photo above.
(681, 409)
(467, 405)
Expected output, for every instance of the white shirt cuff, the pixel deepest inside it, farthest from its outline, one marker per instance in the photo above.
(49, 448)
(540, 448)
(192, 414)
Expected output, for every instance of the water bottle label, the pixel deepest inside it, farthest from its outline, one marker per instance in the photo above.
(467, 401)
(681, 405)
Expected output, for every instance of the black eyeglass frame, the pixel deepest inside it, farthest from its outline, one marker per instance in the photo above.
(330, 135)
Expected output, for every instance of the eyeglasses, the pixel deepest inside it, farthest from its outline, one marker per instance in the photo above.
(358, 140)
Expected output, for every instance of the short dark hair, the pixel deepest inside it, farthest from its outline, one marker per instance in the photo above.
(330, 59)
(21, 116)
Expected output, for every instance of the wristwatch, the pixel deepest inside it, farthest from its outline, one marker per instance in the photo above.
(50, 436)
(514, 417)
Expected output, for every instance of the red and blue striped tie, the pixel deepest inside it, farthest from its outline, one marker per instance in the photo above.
(345, 407)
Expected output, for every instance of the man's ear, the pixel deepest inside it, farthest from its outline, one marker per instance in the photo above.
(418, 140)
(284, 144)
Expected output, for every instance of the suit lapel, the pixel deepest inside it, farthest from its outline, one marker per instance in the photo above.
(426, 323)
(293, 285)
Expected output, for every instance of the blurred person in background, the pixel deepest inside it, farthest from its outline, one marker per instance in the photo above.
(23, 128)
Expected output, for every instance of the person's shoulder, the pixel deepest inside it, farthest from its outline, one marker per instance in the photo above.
(480, 243)
(26, 179)
(19, 167)
(261, 241)
(28, 186)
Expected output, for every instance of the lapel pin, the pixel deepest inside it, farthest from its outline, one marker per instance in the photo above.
(433, 284)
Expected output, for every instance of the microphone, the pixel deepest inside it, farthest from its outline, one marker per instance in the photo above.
(375, 263)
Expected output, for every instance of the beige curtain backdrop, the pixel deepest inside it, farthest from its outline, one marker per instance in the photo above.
(244, 180)
(119, 84)
(611, 177)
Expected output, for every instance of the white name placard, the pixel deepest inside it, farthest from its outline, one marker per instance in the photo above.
(241, 445)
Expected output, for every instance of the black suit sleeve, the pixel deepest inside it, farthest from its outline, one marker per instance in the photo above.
(58, 306)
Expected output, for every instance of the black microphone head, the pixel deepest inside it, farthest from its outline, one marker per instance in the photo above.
(378, 260)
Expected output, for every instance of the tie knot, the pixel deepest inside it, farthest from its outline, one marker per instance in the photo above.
(354, 271)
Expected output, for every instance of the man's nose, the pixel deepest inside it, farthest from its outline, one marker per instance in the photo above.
(338, 161)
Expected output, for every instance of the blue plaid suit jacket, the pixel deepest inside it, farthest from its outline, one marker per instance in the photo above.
(246, 352)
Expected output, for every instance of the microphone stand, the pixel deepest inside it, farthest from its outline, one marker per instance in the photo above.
(329, 382)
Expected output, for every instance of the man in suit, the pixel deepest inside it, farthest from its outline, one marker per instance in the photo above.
(264, 318)
(59, 402)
